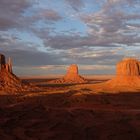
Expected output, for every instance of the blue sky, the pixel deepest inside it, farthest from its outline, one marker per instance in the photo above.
(45, 36)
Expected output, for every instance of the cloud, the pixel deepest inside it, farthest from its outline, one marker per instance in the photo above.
(11, 11)
(107, 27)
(101, 35)
(49, 14)
(76, 4)
(106, 37)
(132, 2)
(26, 53)
(45, 15)
(113, 25)
(61, 69)
(15, 14)
(81, 67)
(96, 67)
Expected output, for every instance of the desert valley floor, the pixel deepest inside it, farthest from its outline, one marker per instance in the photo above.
(69, 112)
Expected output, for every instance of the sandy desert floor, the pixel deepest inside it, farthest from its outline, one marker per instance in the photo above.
(65, 112)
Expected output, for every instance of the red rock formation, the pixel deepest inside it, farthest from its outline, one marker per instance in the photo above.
(72, 70)
(8, 81)
(72, 76)
(8, 66)
(127, 78)
(128, 67)
(2, 61)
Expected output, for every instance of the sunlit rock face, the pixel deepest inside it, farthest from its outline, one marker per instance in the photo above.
(127, 74)
(72, 70)
(9, 82)
(127, 78)
(8, 66)
(72, 76)
(128, 67)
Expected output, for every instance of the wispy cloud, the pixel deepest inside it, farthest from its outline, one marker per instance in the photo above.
(91, 32)
(76, 4)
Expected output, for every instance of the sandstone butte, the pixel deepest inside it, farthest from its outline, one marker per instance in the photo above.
(72, 77)
(9, 82)
(127, 78)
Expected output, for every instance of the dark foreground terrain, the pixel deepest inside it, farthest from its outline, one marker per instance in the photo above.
(64, 113)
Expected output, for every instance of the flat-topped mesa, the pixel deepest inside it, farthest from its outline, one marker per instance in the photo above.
(127, 78)
(128, 67)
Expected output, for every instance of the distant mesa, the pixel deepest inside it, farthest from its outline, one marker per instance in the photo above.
(127, 78)
(72, 77)
(9, 82)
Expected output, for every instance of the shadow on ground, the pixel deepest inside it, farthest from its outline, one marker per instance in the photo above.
(70, 116)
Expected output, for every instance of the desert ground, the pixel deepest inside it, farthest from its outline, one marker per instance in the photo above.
(69, 112)
(71, 107)
(69, 69)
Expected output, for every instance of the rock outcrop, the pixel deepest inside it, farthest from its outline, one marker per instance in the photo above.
(2, 62)
(9, 82)
(127, 78)
(72, 77)
(9, 66)
(128, 67)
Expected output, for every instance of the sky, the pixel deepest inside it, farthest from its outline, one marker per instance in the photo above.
(45, 36)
